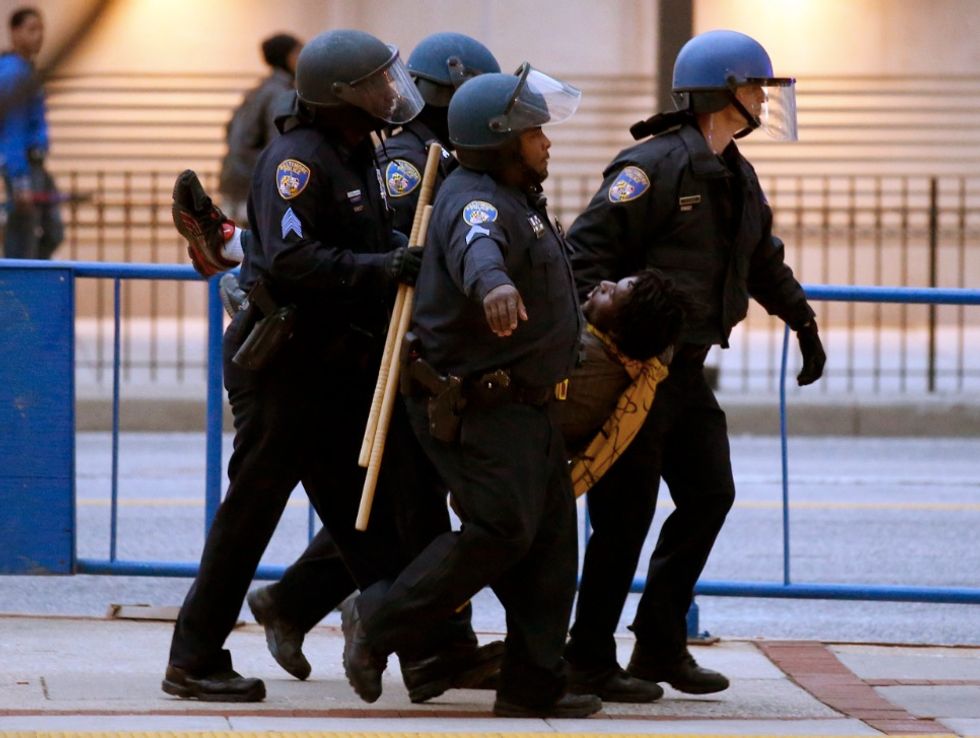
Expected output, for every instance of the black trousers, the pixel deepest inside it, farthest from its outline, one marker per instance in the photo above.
(684, 440)
(318, 581)
(300, 419)
(510, 481)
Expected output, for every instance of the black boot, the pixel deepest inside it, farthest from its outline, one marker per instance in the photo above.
(362, 665)
(221, 686)
(285, 641)
(683, 674)
(613, 685)
(464, 667)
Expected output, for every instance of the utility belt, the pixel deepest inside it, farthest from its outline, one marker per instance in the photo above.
(268, 325)
(449, 395)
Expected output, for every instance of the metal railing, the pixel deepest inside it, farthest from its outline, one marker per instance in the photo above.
(912, 231)
(117, 274)
(787, 588)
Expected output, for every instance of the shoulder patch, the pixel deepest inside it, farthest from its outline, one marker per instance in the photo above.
(401, 177)
(479, 211)
(629, 185)
(292, 176)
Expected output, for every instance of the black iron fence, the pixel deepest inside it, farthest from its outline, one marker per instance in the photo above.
(913, 231)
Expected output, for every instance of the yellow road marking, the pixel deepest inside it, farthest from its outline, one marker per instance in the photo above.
(503, 733)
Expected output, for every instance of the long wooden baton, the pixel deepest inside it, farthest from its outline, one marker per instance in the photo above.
(388, 401)
(414, 239)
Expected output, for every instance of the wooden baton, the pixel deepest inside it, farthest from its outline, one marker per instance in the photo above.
(391, 347)
(382, 405)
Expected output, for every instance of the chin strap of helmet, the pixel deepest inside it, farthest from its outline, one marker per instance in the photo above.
(752, 121)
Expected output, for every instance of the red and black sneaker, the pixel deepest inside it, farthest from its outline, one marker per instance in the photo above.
(202, 224)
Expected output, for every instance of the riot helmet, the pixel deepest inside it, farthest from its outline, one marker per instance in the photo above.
(443, 61)
(349, 67)
(712, 67)
(492, 109)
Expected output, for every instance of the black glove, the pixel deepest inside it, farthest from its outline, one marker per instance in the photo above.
(403, 264)
(814, 356)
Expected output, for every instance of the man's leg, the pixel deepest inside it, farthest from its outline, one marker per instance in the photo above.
(697, 470)
(500, 491)
(268, 408)
(20, 238)
(537, 594)
(315, 584)
(52, 230)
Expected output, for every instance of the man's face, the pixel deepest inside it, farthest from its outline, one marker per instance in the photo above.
(752, 97)
(27, 38)
(534, 151)
(605, 299)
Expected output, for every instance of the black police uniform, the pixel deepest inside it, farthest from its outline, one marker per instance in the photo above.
(318, 581)
(323, 230)
(507, 468)
(672, 204)
(403, 156)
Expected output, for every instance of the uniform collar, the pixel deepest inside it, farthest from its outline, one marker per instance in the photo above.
(422, 132)
(704, 163)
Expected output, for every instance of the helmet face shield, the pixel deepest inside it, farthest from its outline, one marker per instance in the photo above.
(388, 93)
(537, 100)
(777, 117)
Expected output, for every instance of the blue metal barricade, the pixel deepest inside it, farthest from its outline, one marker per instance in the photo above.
(36, 278)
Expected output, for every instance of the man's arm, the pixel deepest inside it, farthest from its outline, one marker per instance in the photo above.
(476, 260)
(297, 240)
(606, 240)
(772, 284)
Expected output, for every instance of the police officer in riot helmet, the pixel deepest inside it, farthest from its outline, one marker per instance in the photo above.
(297, 364)
(318, 581)
(687, 203)
(439, 65)
(496, 322)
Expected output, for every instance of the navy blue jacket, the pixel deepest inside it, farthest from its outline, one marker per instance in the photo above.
(482, 235)
(322, 230)
(670, 203)
(403, 156)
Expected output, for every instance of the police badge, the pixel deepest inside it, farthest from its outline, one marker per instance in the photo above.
(292, 176)
(479, 211)
(629, 185)
(401, 177)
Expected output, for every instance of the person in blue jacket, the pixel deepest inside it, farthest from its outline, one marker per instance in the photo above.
(34, 227)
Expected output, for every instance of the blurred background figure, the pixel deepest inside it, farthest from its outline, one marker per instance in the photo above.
(34, 228)
(252, 125)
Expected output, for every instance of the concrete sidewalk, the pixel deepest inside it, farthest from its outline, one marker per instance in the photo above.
(93, 674)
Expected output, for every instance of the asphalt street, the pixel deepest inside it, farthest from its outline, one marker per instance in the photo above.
(900, 511)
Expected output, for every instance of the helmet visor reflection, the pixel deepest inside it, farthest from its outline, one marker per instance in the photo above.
(538, 99)
(778, 114)
(388, 93)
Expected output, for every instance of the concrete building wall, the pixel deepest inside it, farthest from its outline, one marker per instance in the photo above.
(874, 37)
(806, 37)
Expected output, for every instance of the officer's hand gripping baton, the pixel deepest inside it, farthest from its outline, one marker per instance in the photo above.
(379, 418)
